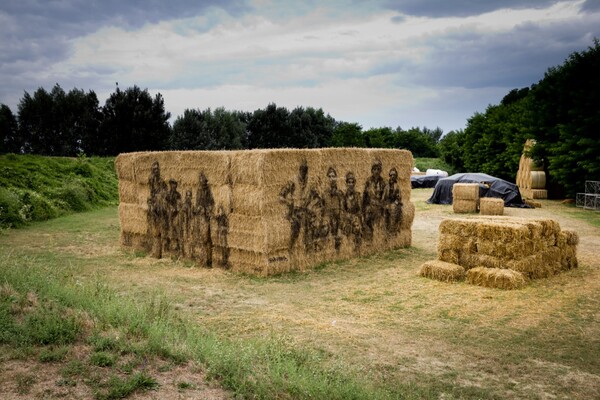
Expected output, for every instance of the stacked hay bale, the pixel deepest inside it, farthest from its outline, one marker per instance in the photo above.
(491, 206)
(531, 177)
(465, 197)
(265, 211)
(504, 252)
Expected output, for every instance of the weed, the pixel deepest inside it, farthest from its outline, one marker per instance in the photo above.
(24, 383)
(118, 388)
(53, 354)
(103, 359)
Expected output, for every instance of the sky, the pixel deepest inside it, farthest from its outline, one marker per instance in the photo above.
(405, 63)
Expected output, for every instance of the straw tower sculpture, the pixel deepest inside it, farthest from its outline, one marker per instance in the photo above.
(501, 252)
(265, 212)
(531, 178)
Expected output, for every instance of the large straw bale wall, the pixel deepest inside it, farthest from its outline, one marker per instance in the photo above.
(531, 248)
(265, 211)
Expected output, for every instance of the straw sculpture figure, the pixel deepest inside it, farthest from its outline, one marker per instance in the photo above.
(265, 212)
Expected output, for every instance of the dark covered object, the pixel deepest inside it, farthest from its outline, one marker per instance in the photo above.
(424, 181)
(489, 186)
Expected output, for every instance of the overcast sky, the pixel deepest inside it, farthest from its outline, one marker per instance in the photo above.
(404, 63)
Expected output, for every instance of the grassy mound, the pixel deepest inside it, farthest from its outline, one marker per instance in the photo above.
(36, 188)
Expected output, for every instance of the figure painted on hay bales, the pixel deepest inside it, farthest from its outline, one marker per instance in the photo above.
(333, 207)
(295, 196)
(373, 200)
(203, 211)
(173, 201)
(222, 231)
(315, 226)
(352, 222)
(392, 198)
(186, 224)
(156, 211)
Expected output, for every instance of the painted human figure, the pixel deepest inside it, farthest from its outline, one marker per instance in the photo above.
(333, 207)
(295, 195)
(352, 224)
(315, 226)
(156, 215)
(185, 217)
(392, 198)
(173, 200)
(202, 212)
(222, 231)
(373, 200)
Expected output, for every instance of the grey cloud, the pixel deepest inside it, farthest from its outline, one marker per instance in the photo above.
(515, 59)
(591, 6)
(460, 8)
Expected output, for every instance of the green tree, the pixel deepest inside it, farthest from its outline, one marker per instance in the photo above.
(451, 149)
(133, 121)
(10, 141)
(269, 128)
(208, 130)
(57, 123)
(347, 134)
(567, 121)
(422, 143)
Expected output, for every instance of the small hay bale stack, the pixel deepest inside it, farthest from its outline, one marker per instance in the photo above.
(442, 271)
(535, 248)
(491, 206)
(265, 212)
(496, 278)
(465, 197)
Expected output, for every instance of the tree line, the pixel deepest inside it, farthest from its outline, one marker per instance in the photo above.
(60, 123)
(561, 113)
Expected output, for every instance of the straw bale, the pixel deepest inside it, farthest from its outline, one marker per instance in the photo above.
(133, 218)
(134, 240)
(456, 242)
(499, 230)
(491, 206)
(496, 278)
(533, 203)
(513, 249)
(124, 166)
(542, 264)
(408, 214)
(461, 206)
(458, 226)
(442, 271)
(131, 192)
(537, 180)
(570, 236)
(474, 260)
(465, 191)
(569, 258)
(538, 194)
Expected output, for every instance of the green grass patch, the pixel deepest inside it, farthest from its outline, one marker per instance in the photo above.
(38, 188)
(424, 163)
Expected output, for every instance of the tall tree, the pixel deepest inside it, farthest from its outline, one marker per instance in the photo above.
(10, 141)
(269, 128)
(567, 121)
(207, 130)
(57, 123)
(347, 134)
(133, 121)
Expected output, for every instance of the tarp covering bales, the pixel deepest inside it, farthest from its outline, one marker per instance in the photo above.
(424, 181)
(489, 186)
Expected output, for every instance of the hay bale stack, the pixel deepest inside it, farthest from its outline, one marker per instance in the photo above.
(442, 271)
(465, 197)
(491, 206)
(496, 278)
(531, 178)
(265, 211)
(534, 248)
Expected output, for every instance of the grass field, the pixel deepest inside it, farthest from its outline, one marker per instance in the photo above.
(80, 318)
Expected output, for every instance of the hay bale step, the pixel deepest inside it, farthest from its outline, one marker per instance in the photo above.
(496, 278)
(442, 271)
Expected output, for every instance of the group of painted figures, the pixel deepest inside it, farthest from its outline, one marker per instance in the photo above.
(182, 228)
(322, 217)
